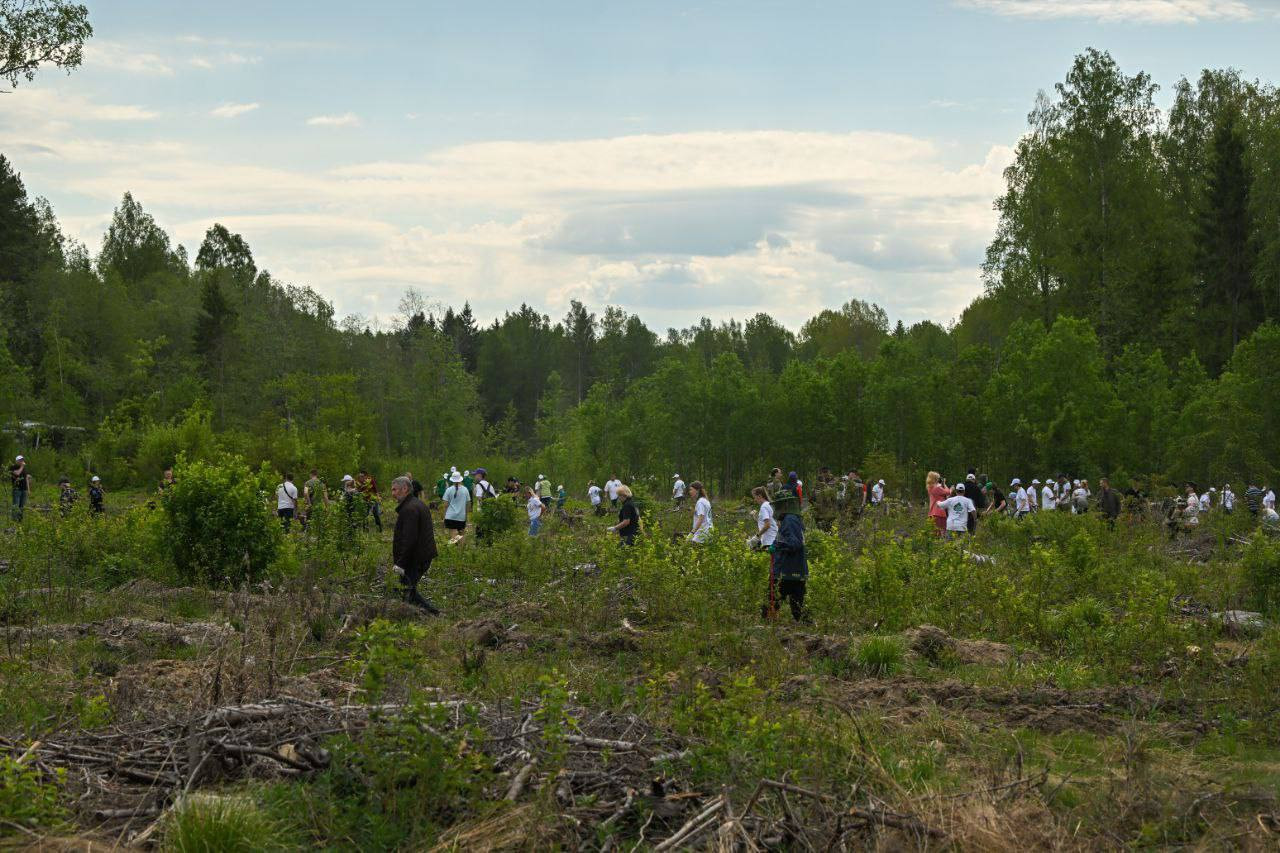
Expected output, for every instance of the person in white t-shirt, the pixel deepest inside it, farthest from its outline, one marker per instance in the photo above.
(593, 496)
(484, 489)
(1269, 499)
(701, 513)
(1206, 499)
(766, 525)
(677, 491)
(1021, 503)
(1079, 498)
(877, 493)
(1048, 497)
(1228, 499)
(1191, 512)
(536, 508)
(286, 502)
(1033, 495)
(611, 489)
(959, 510)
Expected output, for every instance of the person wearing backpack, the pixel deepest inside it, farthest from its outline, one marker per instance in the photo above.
(484, 489)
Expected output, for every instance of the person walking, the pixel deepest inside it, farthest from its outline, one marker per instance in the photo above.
(766, 524)
(314, 495)
(788, 564)
(372, 500)
(1033, 495)
(936, 491)
(628, 526)
(1021, 503)
(701, 513)
(1269, 499)
(611, 489)
(456, 498)
(561, 497)
(1228, 499)
(20, 476)
(959, 509)
(974, 492)
(1108, 502)
(1048, 496)
(677, 491)
(413, 543)
(286, 502)
(593, 497)
(536, 508)
(483, 489)
(66, 496)
(351, 504)
(97, 496)
(542, 488)
(1253, 498)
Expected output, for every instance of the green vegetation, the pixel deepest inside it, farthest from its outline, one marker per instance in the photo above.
(1083, 666)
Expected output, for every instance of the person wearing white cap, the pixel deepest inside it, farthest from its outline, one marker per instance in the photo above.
(1206, 499)
(542, 488)
(97, 495)
(1033, 495)
(877, 493)
(456, 498)
(20, 476)
(352, 504)
(1269, 499)
(677, 491)
(959, 509)
(1048, 496)
(1228, 499)
(1021, 503)
(593, 495)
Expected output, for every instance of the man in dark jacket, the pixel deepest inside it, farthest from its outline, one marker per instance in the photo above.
(789, 567)
(414, 545)
(1109, 502)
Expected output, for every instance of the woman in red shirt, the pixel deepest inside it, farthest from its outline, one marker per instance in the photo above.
(937, 492)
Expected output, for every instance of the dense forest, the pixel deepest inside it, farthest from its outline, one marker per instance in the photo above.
(1126, 329)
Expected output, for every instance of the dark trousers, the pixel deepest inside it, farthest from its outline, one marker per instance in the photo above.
(286, 517)
(790, 590)
(409, 581)
(19, 503)
(375, 509)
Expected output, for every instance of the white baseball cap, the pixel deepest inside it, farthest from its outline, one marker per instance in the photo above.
(1034, 481)
(96, 479)
(19, 459)
(880, 482)
(347, 478)
(960, 487)
(675, 476)
(1016, 482)
(971, 477)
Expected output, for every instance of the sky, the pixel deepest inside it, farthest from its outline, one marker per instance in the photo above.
(679, 160)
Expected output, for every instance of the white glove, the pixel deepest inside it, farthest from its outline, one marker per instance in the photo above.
(398, 570)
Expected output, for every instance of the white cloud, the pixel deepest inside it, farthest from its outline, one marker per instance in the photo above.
(344, 120)
(1144, 11)
(119, 57)
(670, 226)
(233, 110)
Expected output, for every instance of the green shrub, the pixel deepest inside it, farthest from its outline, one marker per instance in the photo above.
(496, 517)
(221, 824)
(1262, 572)
(880, 656)
(219, 526)
(27, 801)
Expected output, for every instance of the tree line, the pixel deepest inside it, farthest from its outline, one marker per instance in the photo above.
(1126, 328)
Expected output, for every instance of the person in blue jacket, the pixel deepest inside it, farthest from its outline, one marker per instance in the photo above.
(788, 565)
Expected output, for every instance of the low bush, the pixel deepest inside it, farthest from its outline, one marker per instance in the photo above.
(220, 530)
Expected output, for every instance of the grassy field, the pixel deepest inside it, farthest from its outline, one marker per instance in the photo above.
(1052, 684)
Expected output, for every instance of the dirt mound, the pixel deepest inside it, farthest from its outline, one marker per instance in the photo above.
(485, 633)
(936, 645)
(163, 687)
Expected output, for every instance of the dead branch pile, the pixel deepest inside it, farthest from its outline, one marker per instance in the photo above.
(613, 776)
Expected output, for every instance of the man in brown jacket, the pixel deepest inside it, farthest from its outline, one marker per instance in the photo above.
(414, 545)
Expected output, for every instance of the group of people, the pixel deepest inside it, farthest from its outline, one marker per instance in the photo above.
(358, 498)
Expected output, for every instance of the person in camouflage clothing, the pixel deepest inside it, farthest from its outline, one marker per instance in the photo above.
(826, 508)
